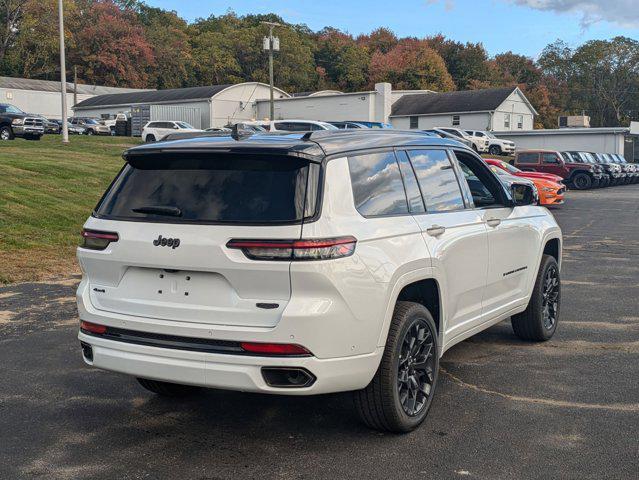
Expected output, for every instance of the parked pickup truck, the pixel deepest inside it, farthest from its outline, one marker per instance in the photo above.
(15, 123)
(580, 176)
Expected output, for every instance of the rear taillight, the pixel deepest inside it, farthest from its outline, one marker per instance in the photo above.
(275, 348)
(92, 327)
(311, 249)
(97, 240)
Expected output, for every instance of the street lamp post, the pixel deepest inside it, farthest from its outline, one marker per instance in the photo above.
(271, 44)
(63, 73)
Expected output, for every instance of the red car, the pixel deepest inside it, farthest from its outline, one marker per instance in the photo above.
(520, 173)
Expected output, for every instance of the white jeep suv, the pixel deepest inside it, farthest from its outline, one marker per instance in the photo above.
(496, 146)
(333, 261)
(157, 130)
(478, 144)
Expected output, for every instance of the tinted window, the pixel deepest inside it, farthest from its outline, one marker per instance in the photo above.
(377, 184)
(413, 194)
(549, 158)
(437, 180)
(528, 158)
(198, 188)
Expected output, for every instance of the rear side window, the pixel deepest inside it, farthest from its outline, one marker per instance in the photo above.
(528, 158)
(437, 180)
(377, 184)
(211, 189)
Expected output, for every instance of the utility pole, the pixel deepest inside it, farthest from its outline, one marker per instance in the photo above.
(63, 76)
(271, 44)
(75, 85)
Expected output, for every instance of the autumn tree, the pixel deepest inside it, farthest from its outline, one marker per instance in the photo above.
(411, 64)
(110, 45)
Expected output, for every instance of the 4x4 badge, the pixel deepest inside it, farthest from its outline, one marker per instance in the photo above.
(166, 242)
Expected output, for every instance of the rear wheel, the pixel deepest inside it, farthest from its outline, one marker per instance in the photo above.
(400, 394)
(582, 181)
(90, 132)
(167, 389)
(539, 321)
(475, 148)
(150, 138)
(494, 150)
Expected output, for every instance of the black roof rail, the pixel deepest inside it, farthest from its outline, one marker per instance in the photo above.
(361, 131)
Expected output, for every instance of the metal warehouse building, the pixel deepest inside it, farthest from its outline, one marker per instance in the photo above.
(602, 140)
(202, 107)
(43, 96)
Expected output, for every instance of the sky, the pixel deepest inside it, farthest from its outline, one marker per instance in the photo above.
(522, 26)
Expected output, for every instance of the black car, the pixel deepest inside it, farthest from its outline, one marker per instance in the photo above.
(15, 123)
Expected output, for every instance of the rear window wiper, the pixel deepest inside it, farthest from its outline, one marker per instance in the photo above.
(159, 210)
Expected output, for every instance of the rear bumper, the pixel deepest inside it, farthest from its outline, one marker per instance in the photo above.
(334, 369)
(229, 372)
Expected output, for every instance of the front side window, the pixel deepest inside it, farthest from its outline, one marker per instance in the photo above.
(455, 120)
(414, 122)
(484, 187)
(437, 180)
(549, 158)
(6, 108)
(377, 184)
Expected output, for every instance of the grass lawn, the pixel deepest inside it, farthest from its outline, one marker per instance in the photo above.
(47, 190)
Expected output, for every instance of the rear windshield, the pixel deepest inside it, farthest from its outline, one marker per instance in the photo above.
(222, 189)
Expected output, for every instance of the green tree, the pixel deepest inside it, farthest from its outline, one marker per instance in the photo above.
(344, 61)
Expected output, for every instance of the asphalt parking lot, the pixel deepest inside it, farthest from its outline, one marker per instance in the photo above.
(568, 408)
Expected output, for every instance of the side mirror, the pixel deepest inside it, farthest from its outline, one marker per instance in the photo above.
(523, 194)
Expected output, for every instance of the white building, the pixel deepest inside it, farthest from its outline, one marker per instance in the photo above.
(599, 140)
(496, 109)
(203, 107)
(43, 96)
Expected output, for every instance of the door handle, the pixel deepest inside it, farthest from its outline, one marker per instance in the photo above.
(493, 222)
(435, 230)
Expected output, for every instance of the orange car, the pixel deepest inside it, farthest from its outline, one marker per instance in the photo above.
(550, 193)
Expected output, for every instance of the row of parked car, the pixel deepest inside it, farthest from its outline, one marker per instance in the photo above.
(579, 170)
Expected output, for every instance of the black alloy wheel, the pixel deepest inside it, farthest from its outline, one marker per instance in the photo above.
(550, 297)
(415, 372)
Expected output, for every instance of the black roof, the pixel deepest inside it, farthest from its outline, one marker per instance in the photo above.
(172, 94)
(313, 146)
(451, 102)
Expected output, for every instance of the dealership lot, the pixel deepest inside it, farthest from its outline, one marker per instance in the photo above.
(504, 409)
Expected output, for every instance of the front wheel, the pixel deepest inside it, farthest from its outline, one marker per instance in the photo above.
(150, 138)
(582, 181)
(6, 133)
(167, 389)
(494, 150)
(90, 132)
(400, 394)
(539, 321)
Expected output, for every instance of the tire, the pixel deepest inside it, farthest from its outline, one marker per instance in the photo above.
(90, 132)
(150, 138)
(582, 181)
(536, 323)
(494, 150)
(380, 405)
(595, 183)
(475, 148)
(167, 389)
(6, 133)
